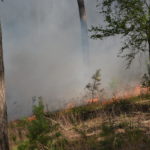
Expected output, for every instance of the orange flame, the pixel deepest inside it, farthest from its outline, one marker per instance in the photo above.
(70, 105)
(92, 100)
(136, 91)
(130, 92)
(31, 118)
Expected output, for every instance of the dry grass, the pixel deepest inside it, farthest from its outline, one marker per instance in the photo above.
(82, 126)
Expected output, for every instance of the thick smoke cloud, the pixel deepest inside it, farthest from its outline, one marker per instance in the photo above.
(43, 56)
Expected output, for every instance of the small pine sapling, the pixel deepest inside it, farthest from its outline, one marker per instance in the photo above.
(94, 86)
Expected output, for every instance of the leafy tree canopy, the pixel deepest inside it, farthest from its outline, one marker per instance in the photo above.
(128, 18)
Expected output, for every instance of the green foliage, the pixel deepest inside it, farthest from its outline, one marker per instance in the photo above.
(38, 128)
(24, 146)
(128, 18)
(94, 86)
(42, 132)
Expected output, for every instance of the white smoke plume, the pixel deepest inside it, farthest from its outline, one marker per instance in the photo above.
(43, 56)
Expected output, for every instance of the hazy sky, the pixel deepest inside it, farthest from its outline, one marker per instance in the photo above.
(43, 55)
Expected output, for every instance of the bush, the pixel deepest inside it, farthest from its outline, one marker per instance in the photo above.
(42, 132)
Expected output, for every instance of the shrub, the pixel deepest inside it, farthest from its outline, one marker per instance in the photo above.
(43, 133)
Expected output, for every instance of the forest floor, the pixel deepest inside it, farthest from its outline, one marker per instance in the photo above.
(119, 124)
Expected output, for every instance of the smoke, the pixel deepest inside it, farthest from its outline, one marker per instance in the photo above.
(43, 56)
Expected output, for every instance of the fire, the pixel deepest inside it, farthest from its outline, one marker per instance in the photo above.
(128, 93)
(122, 94)
(31, 118)
(70, 105)
(92, 100)
(136, 91)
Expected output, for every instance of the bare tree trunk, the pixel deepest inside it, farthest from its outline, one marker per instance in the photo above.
(4, 144)
(149, 50)
(84, 31)
(149, 32)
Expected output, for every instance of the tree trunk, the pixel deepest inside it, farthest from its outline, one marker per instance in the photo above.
(4, 144)
(149, 33)
(84, 31)
(149, 50)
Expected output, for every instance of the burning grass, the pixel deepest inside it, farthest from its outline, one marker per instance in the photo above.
(85, 127)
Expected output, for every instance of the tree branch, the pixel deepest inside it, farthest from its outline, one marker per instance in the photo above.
(148, 6)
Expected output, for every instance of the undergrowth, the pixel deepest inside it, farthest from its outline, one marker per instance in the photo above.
(124, 136)
(46, 130)
(42, 133)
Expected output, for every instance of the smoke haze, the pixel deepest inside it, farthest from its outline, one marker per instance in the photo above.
(43, 56)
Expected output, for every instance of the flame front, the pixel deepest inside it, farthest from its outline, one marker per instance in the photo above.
(92, 100)
(136, 91)
(122, 94)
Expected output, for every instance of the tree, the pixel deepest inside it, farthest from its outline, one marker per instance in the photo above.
(84, 30)
(93, 87)
(4, 145)
(131, 20)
